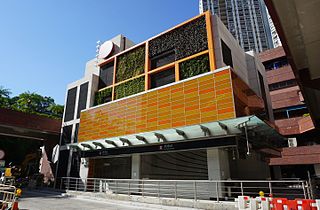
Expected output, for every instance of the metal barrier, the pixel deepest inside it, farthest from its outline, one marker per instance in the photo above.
(7, 195)
(268, 203)
(188, 189)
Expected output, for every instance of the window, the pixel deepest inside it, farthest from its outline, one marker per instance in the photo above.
(290, 112)
(162, 78)
(82, 103)
(66, 134)
(280, 114)
(283, 84)
(276, 64)
(163, 59)
(75, 138)
(298, 111)
(226, 53)
(70, 105)
(106, 75)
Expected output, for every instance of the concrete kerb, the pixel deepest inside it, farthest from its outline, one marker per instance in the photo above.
(199, 204)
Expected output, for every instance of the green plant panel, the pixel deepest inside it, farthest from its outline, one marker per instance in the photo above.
(103, 96)
(185, 40)
(130, 88)
(130, 64)
(194, 66)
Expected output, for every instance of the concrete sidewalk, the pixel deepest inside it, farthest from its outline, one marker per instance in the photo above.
(44, 200)
(162, 201)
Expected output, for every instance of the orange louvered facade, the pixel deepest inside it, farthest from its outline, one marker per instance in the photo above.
(202, 99)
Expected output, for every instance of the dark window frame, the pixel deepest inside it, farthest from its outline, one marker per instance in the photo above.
(164, 58)
(226, 54)
(66, 134)
(83, 96)
(106, 74)
(282, 85)
(168, 76)
(76, 132)
(70, 104)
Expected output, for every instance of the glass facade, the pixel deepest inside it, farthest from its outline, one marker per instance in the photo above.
(247, 20)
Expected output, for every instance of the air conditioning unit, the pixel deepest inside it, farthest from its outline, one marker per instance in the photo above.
(292, 142)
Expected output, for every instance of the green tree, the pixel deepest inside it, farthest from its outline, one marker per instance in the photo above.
(56, 110)
(32, 103)
(12, 101)
(4, 97)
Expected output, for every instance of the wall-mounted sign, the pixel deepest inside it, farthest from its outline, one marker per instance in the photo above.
(105, 49)
(167, 147)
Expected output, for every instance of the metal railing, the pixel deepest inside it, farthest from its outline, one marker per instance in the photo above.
(188, 189)
(7, 195)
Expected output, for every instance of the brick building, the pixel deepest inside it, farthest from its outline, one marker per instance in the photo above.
(22, 135)
(292, 118)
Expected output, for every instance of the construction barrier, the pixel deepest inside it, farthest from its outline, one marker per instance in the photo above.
(15, 206)
(267, 203)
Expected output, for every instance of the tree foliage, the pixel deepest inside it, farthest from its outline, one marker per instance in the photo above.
(4, 97)
(32, 103)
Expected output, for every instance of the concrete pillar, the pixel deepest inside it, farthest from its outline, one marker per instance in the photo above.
(135, 166)
(218, 164)
(317, 169)
(218, 169)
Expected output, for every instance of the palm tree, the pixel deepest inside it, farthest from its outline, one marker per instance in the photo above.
(4, 92)
(4, 97)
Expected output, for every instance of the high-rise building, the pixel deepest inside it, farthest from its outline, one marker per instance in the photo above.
(247, 20)
(275, 37)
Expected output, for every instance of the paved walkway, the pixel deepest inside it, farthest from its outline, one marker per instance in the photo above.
(36, 200)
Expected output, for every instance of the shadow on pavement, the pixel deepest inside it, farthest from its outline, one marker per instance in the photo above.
(29, 193)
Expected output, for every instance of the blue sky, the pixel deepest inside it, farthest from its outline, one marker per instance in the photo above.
(44, 44)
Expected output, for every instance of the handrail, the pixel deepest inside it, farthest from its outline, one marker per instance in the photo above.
(188, 189)
(193, 180)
